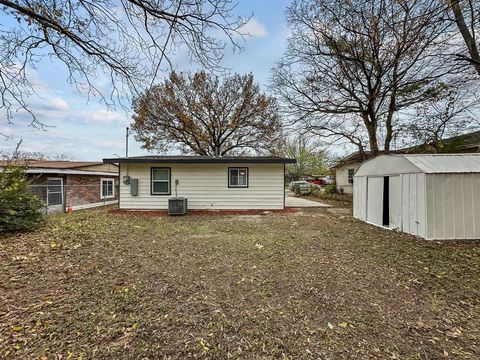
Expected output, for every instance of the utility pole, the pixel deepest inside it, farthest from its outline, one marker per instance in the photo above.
(126, 142)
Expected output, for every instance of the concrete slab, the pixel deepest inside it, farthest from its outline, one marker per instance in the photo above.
(299, 202)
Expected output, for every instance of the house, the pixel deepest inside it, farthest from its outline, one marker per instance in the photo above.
(207, 182)
(72, 184)
(434, 196)
(345, 168)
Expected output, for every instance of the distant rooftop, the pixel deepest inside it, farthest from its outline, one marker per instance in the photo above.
(51, 164)
(202, 159)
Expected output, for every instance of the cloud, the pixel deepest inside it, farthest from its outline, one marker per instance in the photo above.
(253, 29)
(97, 117)
(55, 104)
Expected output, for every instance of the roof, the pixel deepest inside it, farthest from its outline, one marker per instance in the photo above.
(446, 163)
(181, 159)
(421, 163)
(52, 164)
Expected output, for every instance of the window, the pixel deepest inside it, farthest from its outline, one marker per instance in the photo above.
(238, 177)
(107, 188)
(351, 172)
(54, 191)
(160, 181)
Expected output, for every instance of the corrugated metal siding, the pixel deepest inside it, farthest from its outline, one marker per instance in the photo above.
(453, 206)
(206, 187)
(446, 163)
(360, 198)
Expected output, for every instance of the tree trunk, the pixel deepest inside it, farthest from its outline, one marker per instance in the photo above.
(371, 126)
(467, 36)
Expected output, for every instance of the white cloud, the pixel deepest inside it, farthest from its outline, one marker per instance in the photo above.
(97, 116)
(55, 104)
(253, 29)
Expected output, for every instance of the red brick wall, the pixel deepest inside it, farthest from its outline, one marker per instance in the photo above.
(85, 189)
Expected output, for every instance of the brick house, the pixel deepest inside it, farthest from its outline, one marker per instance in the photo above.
(72, 184)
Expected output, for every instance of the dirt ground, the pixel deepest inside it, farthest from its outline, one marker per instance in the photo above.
(312, 285)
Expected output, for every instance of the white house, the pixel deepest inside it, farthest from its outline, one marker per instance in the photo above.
(434, 196)
(147, 182)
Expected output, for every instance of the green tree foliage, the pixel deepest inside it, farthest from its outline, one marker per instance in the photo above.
(19, 207)
(311, 158)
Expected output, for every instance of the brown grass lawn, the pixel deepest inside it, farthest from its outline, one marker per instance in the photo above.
(312, 285)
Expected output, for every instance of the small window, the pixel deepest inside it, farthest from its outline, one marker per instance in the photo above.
(238, 177)
(107, 188)
(160, 181)
(351, 172)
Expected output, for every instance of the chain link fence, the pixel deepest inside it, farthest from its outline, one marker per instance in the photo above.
(59, 197)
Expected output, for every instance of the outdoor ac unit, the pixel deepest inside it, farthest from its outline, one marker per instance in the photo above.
(177, 206)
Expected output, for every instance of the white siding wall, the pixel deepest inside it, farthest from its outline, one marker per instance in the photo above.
(413, 204)
(360, 198)
(453, 206)
(341, 177)
(206, 187)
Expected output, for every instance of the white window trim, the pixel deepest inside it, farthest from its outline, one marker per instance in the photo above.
(168, 181)
(238, 186)
(101, 188)
(61, 189)
(350, 178)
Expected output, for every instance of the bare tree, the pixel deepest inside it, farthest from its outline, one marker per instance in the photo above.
(352, 66)
(445, 116)
(467, 17)
(124, 40)
(206, 115)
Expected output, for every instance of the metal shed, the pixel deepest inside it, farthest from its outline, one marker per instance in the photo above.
(434, 196)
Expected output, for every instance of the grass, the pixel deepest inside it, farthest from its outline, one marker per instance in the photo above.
(312, 285)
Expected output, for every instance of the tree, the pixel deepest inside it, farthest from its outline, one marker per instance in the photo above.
(124, 40)
(19, 207)
(351, 66)
(443, 117)
(467, 17)
(311, 159)
(206, 115)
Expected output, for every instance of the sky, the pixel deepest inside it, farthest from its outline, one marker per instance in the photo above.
(85, 129)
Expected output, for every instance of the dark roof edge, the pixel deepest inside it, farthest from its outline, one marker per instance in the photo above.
(218, 160)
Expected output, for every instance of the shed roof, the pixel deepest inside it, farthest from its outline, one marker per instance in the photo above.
(426, 163)
(202, 159)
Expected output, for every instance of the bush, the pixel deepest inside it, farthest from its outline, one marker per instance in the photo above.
(331, 188)
(19, 207)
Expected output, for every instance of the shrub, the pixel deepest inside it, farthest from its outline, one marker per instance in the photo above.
(331, 188)
(19, 207)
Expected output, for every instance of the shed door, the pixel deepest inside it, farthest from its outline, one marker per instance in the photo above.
(375, 200)
(394, 192)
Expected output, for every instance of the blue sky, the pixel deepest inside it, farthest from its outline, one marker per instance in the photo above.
(86, 130)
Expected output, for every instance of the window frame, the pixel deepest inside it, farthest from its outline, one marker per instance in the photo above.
(350, 178)
(56, 192)
(239, 186)
(113, 188)
(169, 181)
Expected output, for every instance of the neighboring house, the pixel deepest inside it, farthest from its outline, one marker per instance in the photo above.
(434, 196)
(345, 168)
(147, 182)
(72, 184)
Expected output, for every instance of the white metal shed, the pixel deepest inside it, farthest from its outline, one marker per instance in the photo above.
(434, 196)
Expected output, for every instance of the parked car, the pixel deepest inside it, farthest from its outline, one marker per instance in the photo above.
(324, 180)
(301, 187)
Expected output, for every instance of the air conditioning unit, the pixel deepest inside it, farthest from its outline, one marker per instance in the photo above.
(177, 206)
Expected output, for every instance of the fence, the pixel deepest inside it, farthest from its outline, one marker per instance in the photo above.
(59, 197)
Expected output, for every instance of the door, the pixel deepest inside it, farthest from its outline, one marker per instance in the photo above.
(394, 206)
(375, 200)
(54, 195)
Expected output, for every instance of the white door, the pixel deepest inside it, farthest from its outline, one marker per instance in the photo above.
(375, 200)
(394, 196)
(54, 195)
